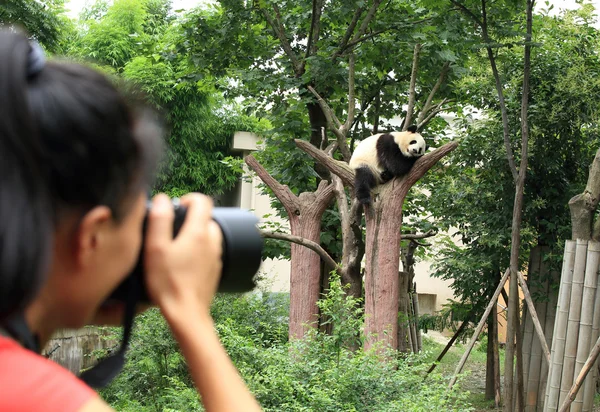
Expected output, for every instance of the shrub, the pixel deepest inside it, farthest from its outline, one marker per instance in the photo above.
(318, 373)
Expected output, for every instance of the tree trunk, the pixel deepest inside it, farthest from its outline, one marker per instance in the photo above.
(304, 212)
(305, 274)
(383, 219)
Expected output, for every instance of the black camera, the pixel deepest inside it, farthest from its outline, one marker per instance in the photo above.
(242, 253)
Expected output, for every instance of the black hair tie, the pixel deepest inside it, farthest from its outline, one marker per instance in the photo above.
(36, 60)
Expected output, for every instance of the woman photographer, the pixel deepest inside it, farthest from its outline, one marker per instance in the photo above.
(76, 161)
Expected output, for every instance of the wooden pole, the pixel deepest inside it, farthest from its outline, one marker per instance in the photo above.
(460, 329)
(478, 330)
(534, 317)
(589, 390)
(416, 311)
(589, 363)
(587, 315)
(572, 340)
(560, 328)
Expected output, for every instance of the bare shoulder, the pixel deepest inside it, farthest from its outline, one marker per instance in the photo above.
(96, 404)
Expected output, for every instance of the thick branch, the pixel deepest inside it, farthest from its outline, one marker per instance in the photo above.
(436, 87)
(280, 33)
(315, 28)
(289, 200)
(324, 194)
(413, 84)
(339, 168)
(423, 164)
(304, 242)
(583, 205)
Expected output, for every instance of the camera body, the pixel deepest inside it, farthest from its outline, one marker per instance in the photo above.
(242, 253)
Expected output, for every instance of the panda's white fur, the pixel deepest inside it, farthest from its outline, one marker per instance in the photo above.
(381, 157)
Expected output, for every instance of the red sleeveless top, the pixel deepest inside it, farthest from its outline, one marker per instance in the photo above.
(30, 382)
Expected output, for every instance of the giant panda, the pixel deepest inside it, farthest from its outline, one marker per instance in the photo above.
(381, 157)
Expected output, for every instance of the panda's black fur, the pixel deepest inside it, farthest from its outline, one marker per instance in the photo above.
(390, 160)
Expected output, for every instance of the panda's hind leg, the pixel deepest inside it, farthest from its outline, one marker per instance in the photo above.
(364, 182)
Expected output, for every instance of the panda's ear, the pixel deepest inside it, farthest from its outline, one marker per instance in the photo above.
(412, 128)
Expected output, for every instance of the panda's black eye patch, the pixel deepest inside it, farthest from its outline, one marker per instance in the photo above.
(413, 142)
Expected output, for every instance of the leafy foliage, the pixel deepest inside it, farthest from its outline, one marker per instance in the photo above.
(472, 196)
(135, 39)
(316, 374)
(45, 21)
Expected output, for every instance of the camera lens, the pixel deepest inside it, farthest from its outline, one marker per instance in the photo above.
(242, 252)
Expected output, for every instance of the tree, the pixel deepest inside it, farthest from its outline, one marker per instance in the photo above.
(44, 21)
(135, 39)
(474, 193)
(292, 61)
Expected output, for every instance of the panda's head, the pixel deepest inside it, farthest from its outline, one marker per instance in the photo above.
(410, 142)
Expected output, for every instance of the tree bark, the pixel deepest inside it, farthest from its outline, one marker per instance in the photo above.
(384, 222)
(304, 213)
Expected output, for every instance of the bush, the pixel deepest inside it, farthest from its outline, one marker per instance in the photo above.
(318, 373)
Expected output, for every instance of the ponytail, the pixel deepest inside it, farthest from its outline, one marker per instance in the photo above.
(25, 207)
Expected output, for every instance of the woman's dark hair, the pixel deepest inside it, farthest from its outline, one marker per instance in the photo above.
(69, 141)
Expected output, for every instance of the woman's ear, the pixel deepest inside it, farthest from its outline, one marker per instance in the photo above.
(91, 232)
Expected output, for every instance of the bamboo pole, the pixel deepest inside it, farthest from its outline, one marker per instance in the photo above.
(587, 315)
(534, 317)
(478, 329)
(589, 390)
(535, 363)
(560, 328)
(589, 364)
(549, 328)
(572, 339)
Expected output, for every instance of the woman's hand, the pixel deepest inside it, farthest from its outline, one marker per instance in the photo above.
(183, 273)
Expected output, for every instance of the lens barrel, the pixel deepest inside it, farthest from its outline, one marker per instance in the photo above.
(242, 253)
